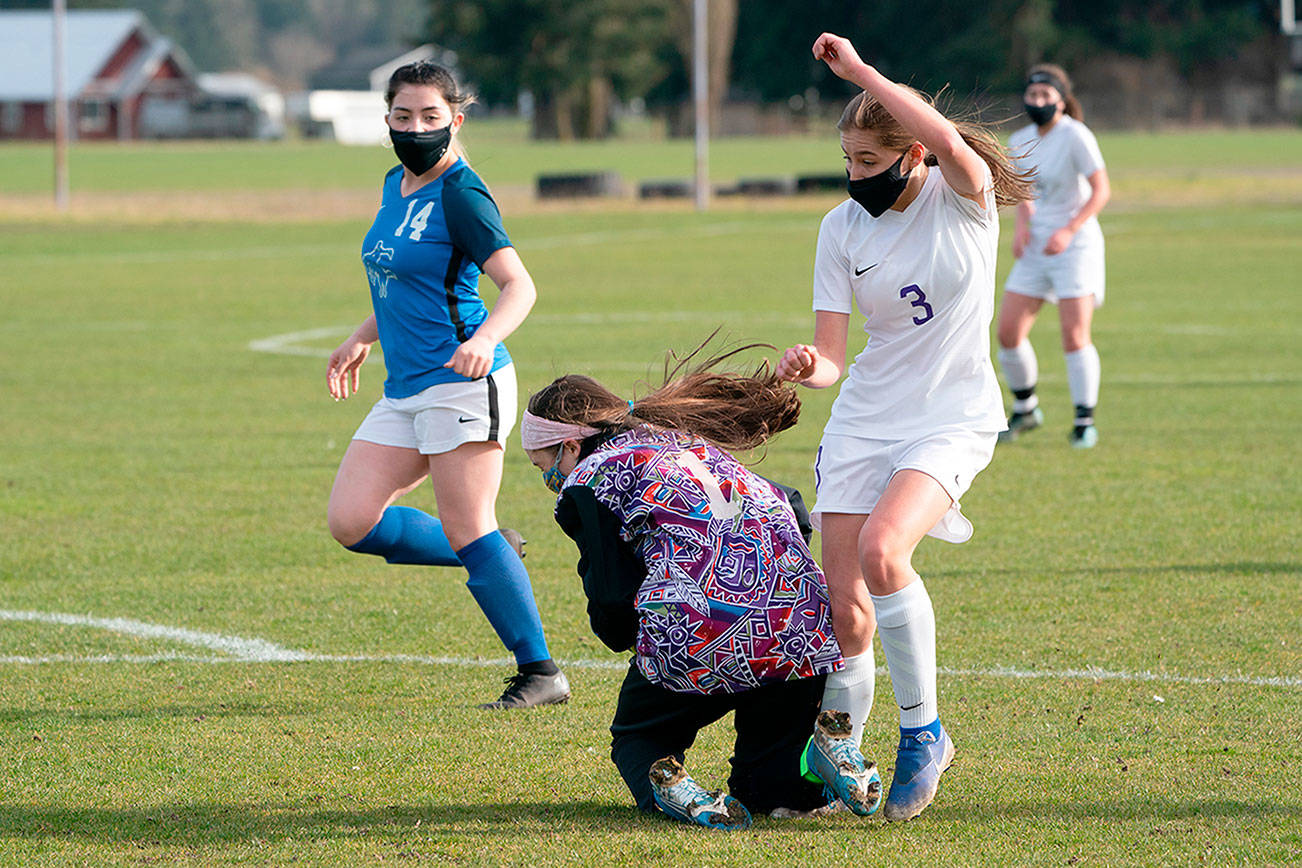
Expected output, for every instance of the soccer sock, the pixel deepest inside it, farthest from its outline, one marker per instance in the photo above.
(933, 728)
(500, 585)
(408, 536)
(1021, 372)
(851, 690)
(1083, 375)
(907, 624)
(539, 667)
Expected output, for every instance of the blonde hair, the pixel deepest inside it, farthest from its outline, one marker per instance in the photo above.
(864, 112)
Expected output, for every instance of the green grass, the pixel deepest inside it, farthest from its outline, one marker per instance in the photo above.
(155, 468)
(499, 151)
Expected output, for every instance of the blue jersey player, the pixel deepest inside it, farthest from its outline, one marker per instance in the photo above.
(450, 395)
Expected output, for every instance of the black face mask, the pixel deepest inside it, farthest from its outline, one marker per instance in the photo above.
(420, 151)
(877, 193)
(1040, 114)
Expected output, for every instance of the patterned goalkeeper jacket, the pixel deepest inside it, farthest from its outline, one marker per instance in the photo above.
(696, 562)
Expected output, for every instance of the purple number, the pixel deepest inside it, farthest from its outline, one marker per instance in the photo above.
(920, 301)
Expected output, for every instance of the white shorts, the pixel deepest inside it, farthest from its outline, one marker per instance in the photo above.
(445, 415)
(1076, 272)
(851, 473)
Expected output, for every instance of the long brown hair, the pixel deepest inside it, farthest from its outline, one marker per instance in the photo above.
(864, 112)
(1073, 108)
(732, 409)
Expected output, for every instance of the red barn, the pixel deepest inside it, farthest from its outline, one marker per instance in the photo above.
(122, 79)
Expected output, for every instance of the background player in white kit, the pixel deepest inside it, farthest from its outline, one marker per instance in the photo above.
(917, 416)
(1059, 250)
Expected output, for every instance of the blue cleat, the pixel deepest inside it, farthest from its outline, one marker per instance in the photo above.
(1019, 423)
(919, 762)
(833, 757)
(684, 799)
(1084, 437)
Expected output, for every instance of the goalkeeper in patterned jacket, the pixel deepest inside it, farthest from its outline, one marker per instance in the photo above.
(702, 569)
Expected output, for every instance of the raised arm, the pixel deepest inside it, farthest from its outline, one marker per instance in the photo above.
(962, 168)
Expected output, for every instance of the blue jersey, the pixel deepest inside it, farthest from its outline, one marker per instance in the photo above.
(423, 256)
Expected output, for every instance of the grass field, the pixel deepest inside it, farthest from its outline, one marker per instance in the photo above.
(1121, 641)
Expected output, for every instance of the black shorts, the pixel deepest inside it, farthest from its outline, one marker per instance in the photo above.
(773, 724)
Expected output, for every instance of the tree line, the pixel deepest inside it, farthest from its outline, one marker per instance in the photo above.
(576, 58)
(579, 59)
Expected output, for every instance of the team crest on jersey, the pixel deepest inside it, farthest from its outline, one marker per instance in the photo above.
(378, 275)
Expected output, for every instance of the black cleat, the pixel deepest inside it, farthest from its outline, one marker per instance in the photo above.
(1020, 423)
(526, 691)
(514, 540)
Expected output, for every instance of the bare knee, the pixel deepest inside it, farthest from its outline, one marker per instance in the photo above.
(853, 623)
(349, 527)
(884, 560)
(461, 531)
(1074, 341)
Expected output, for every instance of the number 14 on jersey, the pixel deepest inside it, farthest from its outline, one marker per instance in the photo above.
(417, 223)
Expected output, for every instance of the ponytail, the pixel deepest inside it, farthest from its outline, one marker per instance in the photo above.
(732, 410)
(1011, 186)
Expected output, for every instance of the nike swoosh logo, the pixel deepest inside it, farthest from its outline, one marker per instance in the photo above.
(464, 420)
(859, 272)
(910, 707)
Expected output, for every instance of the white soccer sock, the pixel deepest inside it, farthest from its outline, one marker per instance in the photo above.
(1021, 372)
(1083, 375)
(907, 624)
(851, 690)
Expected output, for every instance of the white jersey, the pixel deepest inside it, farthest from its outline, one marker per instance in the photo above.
(1063, 159)
(925, 279)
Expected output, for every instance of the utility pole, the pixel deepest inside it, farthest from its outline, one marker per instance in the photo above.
(701, 97)
(59, 18)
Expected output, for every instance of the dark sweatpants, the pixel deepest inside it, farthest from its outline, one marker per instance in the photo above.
(773, 725)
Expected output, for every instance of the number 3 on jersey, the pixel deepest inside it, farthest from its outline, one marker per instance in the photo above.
(418, 223)
(920, 301)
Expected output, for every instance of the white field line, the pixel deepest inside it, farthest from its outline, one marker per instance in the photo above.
(236, 649)
(288, 343)
(232, 646)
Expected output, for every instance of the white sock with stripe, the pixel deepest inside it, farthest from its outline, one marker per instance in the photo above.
(906, 623)
(851, 690)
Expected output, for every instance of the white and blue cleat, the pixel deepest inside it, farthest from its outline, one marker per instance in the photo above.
(921, 759)
(834, 758)
(684, 799)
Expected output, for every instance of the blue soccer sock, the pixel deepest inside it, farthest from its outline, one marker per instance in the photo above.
(500, 585)
(408, 536)
(933, 728)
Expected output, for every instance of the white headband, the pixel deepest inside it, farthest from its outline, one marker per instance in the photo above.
(538, 433)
